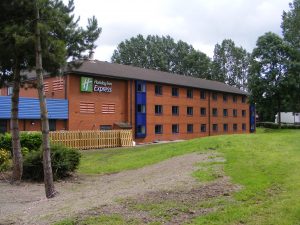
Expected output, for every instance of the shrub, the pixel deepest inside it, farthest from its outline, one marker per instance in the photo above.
(30, 140)
(64, 161)
(4, 159)
(276, 126)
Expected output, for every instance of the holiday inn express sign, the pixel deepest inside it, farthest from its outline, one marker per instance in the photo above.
(88, 84)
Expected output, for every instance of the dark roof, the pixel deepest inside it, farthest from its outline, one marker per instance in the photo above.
(99, 68)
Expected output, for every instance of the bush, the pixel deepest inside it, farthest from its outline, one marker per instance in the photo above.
(276, 126)
(30, 140)
(64, 161)
(4, 159)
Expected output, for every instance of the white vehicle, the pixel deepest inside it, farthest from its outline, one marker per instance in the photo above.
(288, 117)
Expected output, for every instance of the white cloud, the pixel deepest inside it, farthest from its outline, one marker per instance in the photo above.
(201, 23)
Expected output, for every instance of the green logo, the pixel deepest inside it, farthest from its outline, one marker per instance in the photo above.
(86, 84)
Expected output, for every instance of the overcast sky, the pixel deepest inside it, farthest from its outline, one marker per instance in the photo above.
(201, 23)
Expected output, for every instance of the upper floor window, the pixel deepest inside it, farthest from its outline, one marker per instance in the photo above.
(215, 112)
(244, 99)
(225, 97)
(158, 89)
(234, 112)
(189, 93)
(158, 109)
(214, 96)
(234, 98)
(175, 92)
(202, 94)
(141, 87)
(203, 111)
(175, 110)
(189, 111)
(225, 112)
(141, 108)
(9, 90)
(243, 113)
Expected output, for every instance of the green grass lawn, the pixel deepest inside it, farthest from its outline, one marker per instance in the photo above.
(265, 164)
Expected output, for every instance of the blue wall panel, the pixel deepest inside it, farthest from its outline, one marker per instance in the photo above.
(29, 108)
(140, 118)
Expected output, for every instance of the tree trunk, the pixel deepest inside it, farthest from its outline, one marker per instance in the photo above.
(15, 133)
(48, 176)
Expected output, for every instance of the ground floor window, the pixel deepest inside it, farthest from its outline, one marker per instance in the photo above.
(190, 128)
(141, 129)
(203, 128)
(234, 127)
(215, 127)
(158, 129)
(175, 128)
(225, 127)
(3, 126)
(52, 125)
(105, 127)
(244, 127)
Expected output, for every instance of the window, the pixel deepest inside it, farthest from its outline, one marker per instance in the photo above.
(202, 94)
(189, 93)
(234, 112)
(243, 113)
(141, 129)
(203, 128)
(215, 127)
(189, 128)
(234, 98)
(52, 125)
(175, 128)
(225, 112)
(141, 87)
(141, 108)
(203, 111)
(175, 92)
(225, 127)
(243, 99)
(158, 89)
(225, 97)
(3, 126)
(9, 90)
(105, 127)
(189, 111)
(234, 127)
(215, 96)
(244, 127)
(215, 112)
(158, 109)
(158, 129)
(175, 110)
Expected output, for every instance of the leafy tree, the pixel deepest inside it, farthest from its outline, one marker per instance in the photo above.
(291, 32)
(230, 64)
(60, 38)
(162, 53)
(269, 80)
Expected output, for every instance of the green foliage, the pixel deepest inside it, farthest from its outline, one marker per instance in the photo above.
(5, 141)
(231, 64)
(64, 161)
(30, 141)
(269, 82)
(276, 125)
(163, 53)
(4, 159)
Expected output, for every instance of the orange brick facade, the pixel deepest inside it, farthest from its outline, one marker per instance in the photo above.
(222, 113)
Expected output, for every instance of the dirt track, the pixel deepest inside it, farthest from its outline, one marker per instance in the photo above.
(26, 204)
